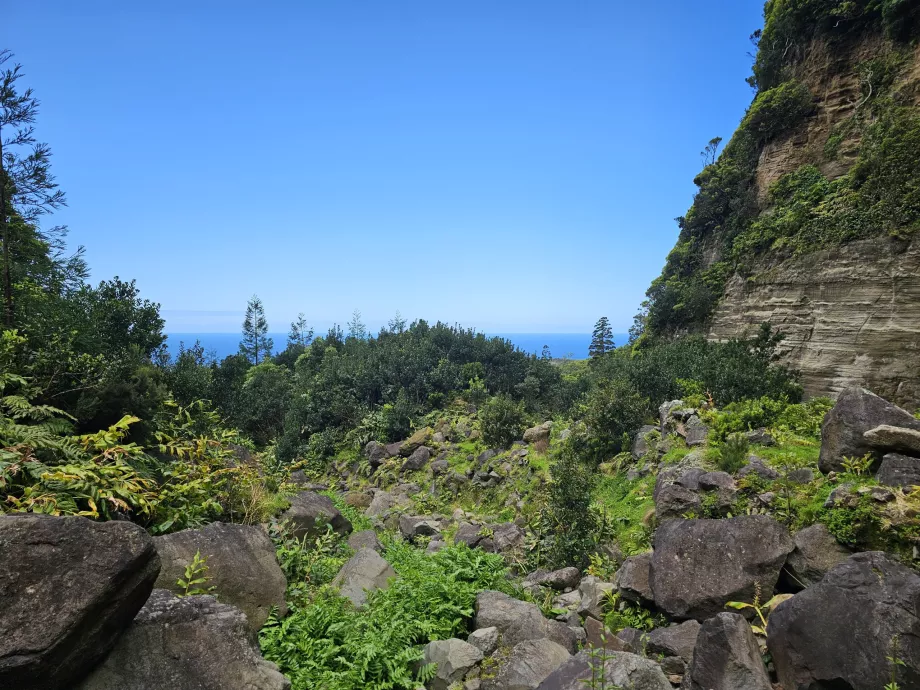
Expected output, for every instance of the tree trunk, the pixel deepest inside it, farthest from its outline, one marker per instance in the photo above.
(5, 232)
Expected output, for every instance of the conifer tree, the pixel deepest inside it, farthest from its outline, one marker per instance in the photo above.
(356, 327)
(255, 345)
(301, 334)
(601, 339)
(397, 324)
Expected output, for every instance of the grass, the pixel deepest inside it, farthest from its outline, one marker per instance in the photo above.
(625, 506)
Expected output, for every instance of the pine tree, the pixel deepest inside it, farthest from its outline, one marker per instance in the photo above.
(301, 334)
(601, 339)
(397, 324)
(255, 345)
(546, 354)
(356, 327)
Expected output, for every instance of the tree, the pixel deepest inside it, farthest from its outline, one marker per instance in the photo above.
(27, 187)
(356, 328)
(546, 354)
(601, 339)
(256, 344)
(397, 324)
(301, 334)
(710, 153)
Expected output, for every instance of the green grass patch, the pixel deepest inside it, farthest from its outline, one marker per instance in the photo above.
(625, 507)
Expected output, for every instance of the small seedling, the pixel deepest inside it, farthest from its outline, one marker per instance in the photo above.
(195, 576)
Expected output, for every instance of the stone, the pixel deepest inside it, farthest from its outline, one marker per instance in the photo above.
(634, 640)
(363, 573)
(376, 453)
(759, 467)
(507, 537)
(598, 636)
(840, 632)
(300, 478)
(393, 449)
(454, 658)
(435, 545)
(641, 446)
(382, 503)
(412, 527)
(674, 640)
(759, 437)
(518, 620)
(686, 477)
(802, 475)
(187, 643)
(621, 669)
(528, 665)
(726, 657)
(68, 588)
(716, 480)
(899, 470)
(563, 578)
(633, 579)
(484, 639)
(695, 431)
(439, 467)
(365, 539)
(700, 565)
(358, 499)
(537, 433)
(894, 439)
(816, 552)
(673, 666)
(417, 460)
(415, 441)
(438, 437)
(842, 496)
(669, 413)
(242, 567)
(856, 412)
(568, 600)
(675, 501)
(593, 593)
(311, 514)
(469, 534)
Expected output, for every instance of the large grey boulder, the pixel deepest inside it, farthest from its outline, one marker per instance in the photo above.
(242, 567)
(538, 433)
(674, 640)
(621, 669)
(856, 412)
(376, 453)
(190, 643)
(365, 539)
(894, 439)
(675, 501)
(840, 632)
(899, 470)
(454, 658)
(419, 458)
(700, 565)
(816, 552)
(507, 537)
(311, 514)
(641, 445)
(694, 431)
(414, 526)
(68, 588)
(528, 665)
(633, 579)
(519, 620)
(594, 593)
(484, 639)
(364, 572)
(726, 657)
(564, 578)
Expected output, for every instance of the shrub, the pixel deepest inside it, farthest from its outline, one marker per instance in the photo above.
(502, 421)
(612, 412)
(569, 524)
(731, 455)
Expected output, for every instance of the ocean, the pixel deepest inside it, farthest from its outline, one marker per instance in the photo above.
(569, 345)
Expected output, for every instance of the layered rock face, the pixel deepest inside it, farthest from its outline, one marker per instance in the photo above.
(851, 316)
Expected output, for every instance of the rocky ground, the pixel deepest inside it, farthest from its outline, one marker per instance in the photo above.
(729, 583)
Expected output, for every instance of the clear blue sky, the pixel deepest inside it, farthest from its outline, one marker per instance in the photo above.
(514, 166)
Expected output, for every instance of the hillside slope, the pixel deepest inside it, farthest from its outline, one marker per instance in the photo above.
(808, 219)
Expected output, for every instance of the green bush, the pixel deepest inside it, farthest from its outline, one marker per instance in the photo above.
(731, 454)
(777, 110)
(612, 411)
(569, 525)
(502, 420)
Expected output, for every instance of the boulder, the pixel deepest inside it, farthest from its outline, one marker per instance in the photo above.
(593, 594)
(759, 467)
(840, 632)
(802, 475)
(700, 565)
(687, 477)
(417, 460)
(416, 440)
(414, 526)
(694, 431)
(671, 413)
(485, 456)
(484, 639)
(365, 539)
(528, 665)
(311, 514)
(189, 643)
(633, 640)
(599, 636)
(468, 534)
(726, 657)
(894, 439)
(899, 470)
(816, 552)
(856, 412)
(518, 621)
(440, 466)
(241, 566)
(641, 446)
(716, 480)
(358, 499)
(675, 501)
(674, 640)
(364, 572)
(392, 449)
(382, 503)
(621, 669)
(68, 588)
(507, 537)
(633, 579)
(564, 578)
(759, 437)
(454, 658)
(538, 433)
(376, 453)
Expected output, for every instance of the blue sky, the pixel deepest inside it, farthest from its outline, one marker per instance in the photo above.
(514, 166)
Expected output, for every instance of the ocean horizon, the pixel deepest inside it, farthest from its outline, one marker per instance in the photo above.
(561, 345)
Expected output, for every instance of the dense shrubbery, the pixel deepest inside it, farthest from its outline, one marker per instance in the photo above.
(502, 421)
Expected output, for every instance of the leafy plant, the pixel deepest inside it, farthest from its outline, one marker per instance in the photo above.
(503, 421)
(858, 466)
(196, 575)
(762, 611)
(731, 455)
